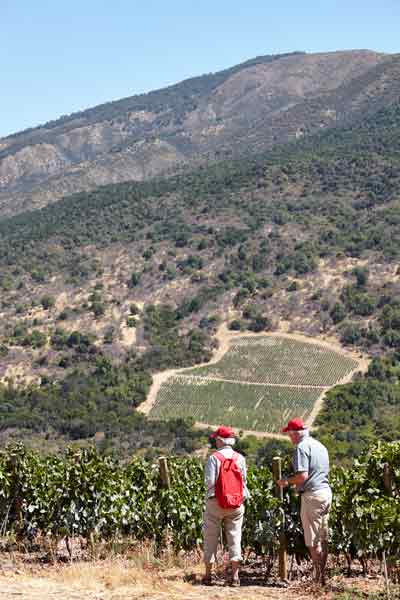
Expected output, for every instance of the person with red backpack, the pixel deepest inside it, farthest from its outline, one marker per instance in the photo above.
(225, 480)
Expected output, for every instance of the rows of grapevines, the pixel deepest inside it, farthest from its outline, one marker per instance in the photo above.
(275, 359)
(366, 515)
(247, 406)
(87, 495)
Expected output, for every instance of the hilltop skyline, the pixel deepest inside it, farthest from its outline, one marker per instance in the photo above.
(62, 59)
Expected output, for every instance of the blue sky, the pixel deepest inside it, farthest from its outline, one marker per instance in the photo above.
(60, 56)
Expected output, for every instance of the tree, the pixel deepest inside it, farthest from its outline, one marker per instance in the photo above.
(351, 333)
(134, 280)
(337, 312)
(36, 339)
(236, 325)
(131, 321)
(361, 274)
(260, 323)
(98, 309)
(134, 309)
(47, 302)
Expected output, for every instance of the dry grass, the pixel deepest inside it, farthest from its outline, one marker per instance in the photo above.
(142, 574)
(118, 579)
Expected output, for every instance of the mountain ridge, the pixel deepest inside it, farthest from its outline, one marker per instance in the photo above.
(249, 108)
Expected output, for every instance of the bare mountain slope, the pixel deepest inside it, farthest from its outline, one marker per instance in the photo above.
(248, 108)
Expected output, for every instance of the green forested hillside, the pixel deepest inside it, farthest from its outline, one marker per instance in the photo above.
(340, 176)
(249, 235)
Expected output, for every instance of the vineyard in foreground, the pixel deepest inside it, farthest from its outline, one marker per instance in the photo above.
(94, 497)
(259, 384)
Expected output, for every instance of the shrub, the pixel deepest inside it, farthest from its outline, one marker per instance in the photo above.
(240, 297)
(47, 302)
(35, 339)
(63, 316)
(109, 335)
(337, 312)
(98, 309)
(251, 311)
(59, 339)
(292, 287)
(21, 309)
(351, 333)
(260, 323)
(134, 309)
(134, 279)
(131, 322)
(236, 325)
(361, 274)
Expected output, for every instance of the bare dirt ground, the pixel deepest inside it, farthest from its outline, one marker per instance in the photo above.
(18, 374)
(120, 579)
(225, 338)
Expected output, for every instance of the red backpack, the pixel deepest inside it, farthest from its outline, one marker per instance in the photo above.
(229, 485)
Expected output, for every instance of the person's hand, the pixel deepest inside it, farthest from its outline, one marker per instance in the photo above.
(282, 483)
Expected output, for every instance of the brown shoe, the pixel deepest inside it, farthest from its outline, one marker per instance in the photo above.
(233, 582)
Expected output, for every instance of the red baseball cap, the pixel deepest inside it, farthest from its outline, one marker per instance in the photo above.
(223, 432)
(294, 425)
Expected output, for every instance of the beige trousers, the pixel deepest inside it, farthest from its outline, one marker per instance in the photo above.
(315, 507)
(232, 518)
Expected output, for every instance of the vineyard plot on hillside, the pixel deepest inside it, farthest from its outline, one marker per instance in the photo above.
(258, 385)
(253, 407)
(275, 359)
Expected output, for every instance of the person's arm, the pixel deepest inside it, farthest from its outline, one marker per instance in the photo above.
(243, 468)
(301, 464)
(298, 479)
(210, 473)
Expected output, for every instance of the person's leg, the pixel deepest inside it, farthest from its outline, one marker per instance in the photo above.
(211, 530)
(233, 523)
(324, 558)
(314, 517)
(235, 571)
(324, 535)
(316, 557)
(308, 522)
(207, 571)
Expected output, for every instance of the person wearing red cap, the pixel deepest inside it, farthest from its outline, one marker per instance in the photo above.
(214, 513)
(311, 471)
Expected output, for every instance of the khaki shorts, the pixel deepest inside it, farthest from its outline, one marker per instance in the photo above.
(315, 507)
(232, 518)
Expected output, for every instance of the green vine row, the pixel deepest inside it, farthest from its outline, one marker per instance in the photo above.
(88, 495)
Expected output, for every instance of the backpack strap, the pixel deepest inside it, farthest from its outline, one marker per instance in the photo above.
(219, 456)
(235, 456)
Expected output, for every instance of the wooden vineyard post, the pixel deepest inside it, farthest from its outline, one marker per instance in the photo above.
(387, 479)
(165, 480)
(283, 562)
(164, 472)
